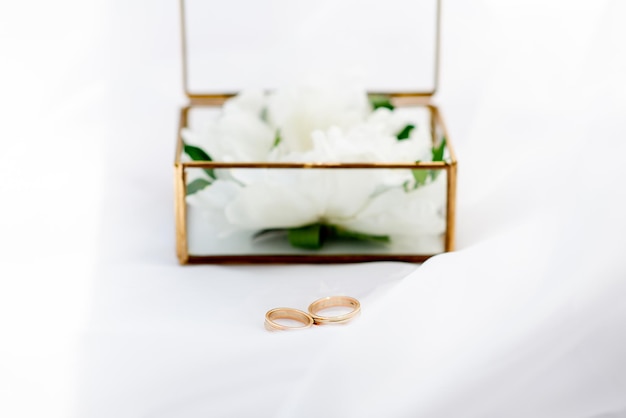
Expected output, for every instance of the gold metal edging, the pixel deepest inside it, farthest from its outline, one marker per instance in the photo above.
(451, 185)
(437, 48)
(217, 99)
(451, 208)
(397, 98)
(182, 123)
(183, 46)
(435, 165)
(180, 208)
(180, 191)
(304, 259)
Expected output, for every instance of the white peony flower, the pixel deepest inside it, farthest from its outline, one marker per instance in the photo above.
(297, 112)
(239, 134)
(292, 198)
(399, 213)
(332, 123)
(288, 198)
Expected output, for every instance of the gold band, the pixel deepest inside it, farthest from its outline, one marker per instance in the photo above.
(287, 313)
(331, 302)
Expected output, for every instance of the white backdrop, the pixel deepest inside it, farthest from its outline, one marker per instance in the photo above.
(527, 319)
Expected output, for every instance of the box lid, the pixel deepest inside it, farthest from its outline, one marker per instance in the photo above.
(392, 46)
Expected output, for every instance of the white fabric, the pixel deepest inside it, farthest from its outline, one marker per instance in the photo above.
(526, 319)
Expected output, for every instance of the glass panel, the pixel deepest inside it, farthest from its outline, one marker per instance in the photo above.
(255, 211)
(388, 45)
(202, 125)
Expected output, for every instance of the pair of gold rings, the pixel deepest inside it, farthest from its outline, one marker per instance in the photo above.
(313, 317)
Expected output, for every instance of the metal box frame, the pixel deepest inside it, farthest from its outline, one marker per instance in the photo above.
(410, 98)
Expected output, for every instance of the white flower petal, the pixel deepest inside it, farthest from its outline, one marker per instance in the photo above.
(249, 101)
(217, 195)
(395, 212)
(297, 112)
(211, 201)
(262, 206)
(349, 191)
(244, 137)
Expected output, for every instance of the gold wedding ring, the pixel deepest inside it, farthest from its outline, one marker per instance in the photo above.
(332, 302)
(287, 313)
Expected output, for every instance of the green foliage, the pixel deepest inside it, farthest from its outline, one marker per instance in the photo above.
(335, 231)
(197, 185)
(264, 115)
(309, 236)
(381, 100)
(198, 154)
(313, 236)
(420, 176)
(195, 153)
(439, 150)
(438, 153)
(405, 132)
(423, 176)
(277, 139)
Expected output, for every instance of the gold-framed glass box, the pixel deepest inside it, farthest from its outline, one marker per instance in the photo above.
(231, 46)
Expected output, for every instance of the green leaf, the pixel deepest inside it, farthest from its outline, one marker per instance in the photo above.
(277, 139)
(198, 154)
(270, 233)
(420, 177)
(309, 236)
(197, 185)
(347, 234)
(381, 100)
(264, 114)
(264, 232)
(405, 133)
(313, 236)
(438, 151)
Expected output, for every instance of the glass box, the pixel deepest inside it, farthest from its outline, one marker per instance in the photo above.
(336, 211)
